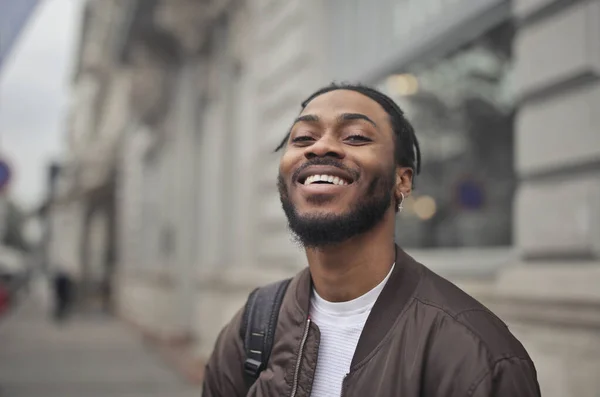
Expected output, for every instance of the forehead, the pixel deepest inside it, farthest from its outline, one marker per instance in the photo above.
(340, 101)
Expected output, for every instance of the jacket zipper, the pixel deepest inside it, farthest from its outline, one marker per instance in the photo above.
(342, 389)
(297, 371)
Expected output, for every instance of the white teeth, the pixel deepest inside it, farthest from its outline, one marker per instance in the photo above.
(325, 178)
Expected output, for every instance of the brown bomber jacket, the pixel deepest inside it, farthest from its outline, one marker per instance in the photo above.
(424, 338)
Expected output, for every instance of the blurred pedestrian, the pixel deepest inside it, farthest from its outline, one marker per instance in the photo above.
(63, 294)
(4, 299)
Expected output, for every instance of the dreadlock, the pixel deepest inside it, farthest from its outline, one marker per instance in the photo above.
(407, 151)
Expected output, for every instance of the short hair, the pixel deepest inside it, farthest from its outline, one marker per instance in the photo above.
(407, 152)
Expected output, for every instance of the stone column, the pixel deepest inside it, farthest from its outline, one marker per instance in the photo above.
(551, 299)
(183, 189)
(212, 154)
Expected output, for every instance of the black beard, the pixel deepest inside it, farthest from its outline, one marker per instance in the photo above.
(323, 229)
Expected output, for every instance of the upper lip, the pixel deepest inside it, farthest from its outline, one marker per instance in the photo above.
(324, 170)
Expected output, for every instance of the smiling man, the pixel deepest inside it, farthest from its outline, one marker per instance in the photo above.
(364, 318)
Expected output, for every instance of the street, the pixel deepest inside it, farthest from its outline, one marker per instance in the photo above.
(88, 356)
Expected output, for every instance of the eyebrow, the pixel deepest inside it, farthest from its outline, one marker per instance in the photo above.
(311, 118)
(356, 116)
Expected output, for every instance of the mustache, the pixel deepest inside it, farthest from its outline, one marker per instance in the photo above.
(327, 161)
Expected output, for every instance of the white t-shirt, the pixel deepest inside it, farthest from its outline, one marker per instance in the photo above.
(341, 324)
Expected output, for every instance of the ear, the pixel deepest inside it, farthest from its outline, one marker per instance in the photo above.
(404, 177)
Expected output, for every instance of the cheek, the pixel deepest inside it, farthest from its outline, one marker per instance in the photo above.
(288, 162)
(378, 163)
(284, 166)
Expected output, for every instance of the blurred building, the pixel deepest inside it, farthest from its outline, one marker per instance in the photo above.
(178, 105)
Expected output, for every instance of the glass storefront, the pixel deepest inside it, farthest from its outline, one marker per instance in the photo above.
(462, 106)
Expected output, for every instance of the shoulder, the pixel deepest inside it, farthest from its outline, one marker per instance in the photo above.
(222, 373)
(467, 341)
(224, 369)
(462, 313)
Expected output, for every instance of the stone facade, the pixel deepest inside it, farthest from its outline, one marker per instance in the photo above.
(551, 297)
(180, 104)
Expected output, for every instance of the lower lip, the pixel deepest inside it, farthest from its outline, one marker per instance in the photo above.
(322, 188)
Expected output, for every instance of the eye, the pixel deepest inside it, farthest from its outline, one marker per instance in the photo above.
(302, 139)
(358, 139)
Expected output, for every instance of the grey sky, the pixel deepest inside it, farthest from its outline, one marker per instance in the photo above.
(34, 94)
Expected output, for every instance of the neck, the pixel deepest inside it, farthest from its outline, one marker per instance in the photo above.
(352, 268)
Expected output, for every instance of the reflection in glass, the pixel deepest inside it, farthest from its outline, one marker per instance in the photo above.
(462, 107)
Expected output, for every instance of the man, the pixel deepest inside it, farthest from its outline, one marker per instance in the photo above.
(4, 298)
(63, 294)
(365, 319)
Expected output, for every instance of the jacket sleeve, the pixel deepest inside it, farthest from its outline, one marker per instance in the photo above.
(223, 374)
(515, 377)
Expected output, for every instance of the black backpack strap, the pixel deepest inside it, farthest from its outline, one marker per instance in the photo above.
(258, 326)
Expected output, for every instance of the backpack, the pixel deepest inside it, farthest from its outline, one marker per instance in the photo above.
(258, 326)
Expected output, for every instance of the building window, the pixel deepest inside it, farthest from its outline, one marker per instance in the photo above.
(462, 106)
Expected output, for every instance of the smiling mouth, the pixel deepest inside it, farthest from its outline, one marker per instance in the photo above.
(324, 179)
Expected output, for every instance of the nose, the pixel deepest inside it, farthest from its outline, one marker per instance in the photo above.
(326, 146)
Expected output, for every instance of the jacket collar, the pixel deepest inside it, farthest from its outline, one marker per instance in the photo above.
(392, 301)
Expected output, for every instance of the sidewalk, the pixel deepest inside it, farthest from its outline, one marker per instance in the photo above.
(91, 356)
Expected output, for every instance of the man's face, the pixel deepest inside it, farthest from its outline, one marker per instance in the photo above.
(337, 175)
